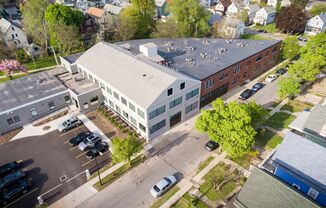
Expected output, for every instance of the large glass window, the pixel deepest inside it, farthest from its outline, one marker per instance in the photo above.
(192, 94)
(175, 102)
(142, 127)
(236, 69)
(125, 114)
(157, 126)
(116, 95)
(209, 83)
(192, 107)
(94, 100)
(133, 121)
(10, 121)
(170, 91)
(109, 90)
(182, 85)
(132, 107)
(124, 101)
(157, 112)
(16, 119)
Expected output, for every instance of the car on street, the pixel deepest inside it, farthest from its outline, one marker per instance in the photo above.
(98, 149)
(300, 38)
(17, 188)
(11, 178)
(163, 186)
(281, 71)
(271, 78)
(261, 31)
(8, 168)
(69, 124)
(76, 140)
(257, 87)
(211, 145)
(245, 94)
(90, 141)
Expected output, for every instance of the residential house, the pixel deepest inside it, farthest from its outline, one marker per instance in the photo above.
(252, 9)
(265, 16)
(12, 34)
(10, 12)
(302, 167)
(84, 5)
(316, 24)
(265, 190)
(115, 9)
(234, 8)
(222, 6)
(311, 4)
(68, 3)
(246, 2)
(232, 28)
(206, 3)
(161, 10)
(311, 124)
(273, 3)
(100, 17)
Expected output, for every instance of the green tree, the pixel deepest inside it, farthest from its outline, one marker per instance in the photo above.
(257, 113)
(166, 29)
(33, 13)
(5, 51)
(317, 9)
(124, 149)
(288, 87)
(126, 26)
(301, 4)
(58, 13)
(306, 68)
(290, 47)
(316, 46)
(230, 125)
(191, 17)
(278, 6)
(243, 16)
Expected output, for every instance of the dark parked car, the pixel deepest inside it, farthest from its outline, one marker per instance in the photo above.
(211, 145)
(11, 178)
(280, 71)
(261, 31)
(245, 94)
(97, 149)
(257, 87)
(79, 138)
(8, 168)
(20, 187)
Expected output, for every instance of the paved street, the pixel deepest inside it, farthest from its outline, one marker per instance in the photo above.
(132, 190)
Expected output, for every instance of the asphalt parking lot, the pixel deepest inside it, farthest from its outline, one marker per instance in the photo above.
(50, 162)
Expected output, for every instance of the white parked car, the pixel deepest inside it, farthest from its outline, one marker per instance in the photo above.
(163, 186)
(69, 124)
(271, 78)
(90, 141)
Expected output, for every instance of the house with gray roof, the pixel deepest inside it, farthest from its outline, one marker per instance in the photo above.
(300, 163)
(312, 124)
(316, 24)
(265, 16)
(12, 34)
(264, 190)
(251, 10)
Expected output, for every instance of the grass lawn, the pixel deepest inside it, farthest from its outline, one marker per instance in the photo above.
(118, 173)
(185, 200)
(159, 202)
(244, 161)
(267, 139)
(254, 37)
(295, 106)
(271, 28)
(280, 120)
(203, 164)
(40, 63)
(207, 187)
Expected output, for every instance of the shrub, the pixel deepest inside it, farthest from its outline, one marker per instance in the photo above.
(22, 56)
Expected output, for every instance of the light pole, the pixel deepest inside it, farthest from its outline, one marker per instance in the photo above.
(98, 171)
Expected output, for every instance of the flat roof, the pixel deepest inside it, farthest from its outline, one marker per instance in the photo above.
(30, 88)
(317, 120)
(202, 57)
(140, 80)
(78, 83)
(307, 159)
(263, 190)
(73, 57)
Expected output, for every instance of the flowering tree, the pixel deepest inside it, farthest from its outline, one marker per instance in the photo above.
(8, 66)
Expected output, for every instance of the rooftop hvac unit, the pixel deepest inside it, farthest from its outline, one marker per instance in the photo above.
(148, 49)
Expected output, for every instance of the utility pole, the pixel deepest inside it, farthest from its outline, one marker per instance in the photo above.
(98, 171)
(55, 56)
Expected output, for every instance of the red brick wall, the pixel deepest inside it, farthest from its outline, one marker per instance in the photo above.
(249, 69)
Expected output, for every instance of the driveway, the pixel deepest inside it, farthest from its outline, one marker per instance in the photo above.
(132, 190)
(49, 161)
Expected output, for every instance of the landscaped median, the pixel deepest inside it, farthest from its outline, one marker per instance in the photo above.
(110, 178)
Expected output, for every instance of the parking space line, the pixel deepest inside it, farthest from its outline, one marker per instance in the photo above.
(73, 148)
(87, 162)
(21, 197)
(81, 155)
(70, 131)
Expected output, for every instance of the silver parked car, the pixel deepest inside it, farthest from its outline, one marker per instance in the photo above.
(163, 186)
(90, 141)
(69, 124)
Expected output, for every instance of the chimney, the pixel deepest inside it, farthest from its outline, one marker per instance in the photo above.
(148, 49)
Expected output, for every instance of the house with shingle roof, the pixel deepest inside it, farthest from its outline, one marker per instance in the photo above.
(100, 17)
(12, 34)
(265, 16)
(316, 24)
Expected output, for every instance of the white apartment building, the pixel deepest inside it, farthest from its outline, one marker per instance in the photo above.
(149, 97)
